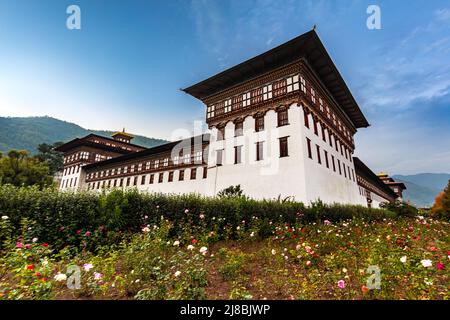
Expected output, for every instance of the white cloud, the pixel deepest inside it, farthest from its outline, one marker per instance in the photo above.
(414, 69)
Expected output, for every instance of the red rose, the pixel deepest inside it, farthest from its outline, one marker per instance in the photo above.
(440, 266)
(78, 231)
(194, 241)
(30, 267)
(45, 244)
(87, 234)
(38, 274)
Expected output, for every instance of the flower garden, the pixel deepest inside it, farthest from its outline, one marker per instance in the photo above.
(126, 245)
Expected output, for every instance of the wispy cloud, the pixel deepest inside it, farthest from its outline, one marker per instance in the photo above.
(443, 14)
(410, 71)
(256, 25)
(414, 69)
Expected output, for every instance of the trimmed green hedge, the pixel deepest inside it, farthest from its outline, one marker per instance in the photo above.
(54, 212)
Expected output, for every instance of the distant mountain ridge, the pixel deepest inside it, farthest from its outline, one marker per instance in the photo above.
(423, 188)
(26, 133)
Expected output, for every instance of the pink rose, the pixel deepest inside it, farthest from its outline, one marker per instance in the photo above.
(341, 284)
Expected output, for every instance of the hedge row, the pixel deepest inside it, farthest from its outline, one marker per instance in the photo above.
(53, 211)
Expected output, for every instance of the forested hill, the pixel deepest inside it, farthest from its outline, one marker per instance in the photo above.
(28, 132)
(422, 188)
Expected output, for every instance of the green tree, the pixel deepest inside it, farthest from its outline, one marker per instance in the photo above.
(53, 158)
(231, 192)
(402, 209)
(19, 169)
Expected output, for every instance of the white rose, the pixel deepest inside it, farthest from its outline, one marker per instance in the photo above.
(87, 266)
(177, 273)
(60, 277)
(190, 247)
(403, 259)
(176, 243)
(203, 250)
(5, 217)
(426, 263)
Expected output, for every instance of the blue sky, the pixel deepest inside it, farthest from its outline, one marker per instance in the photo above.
(126, 65)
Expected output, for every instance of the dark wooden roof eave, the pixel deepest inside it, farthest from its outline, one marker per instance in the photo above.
(362, 170)
(86, 143)
(70, 145)
(308, 46)
(147, 152)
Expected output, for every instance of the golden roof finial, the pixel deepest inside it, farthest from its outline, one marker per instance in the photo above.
(123, 133)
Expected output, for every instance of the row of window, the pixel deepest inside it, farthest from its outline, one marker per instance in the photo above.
(328, 137)
(282, 120)
(150, 164)
(364, 192)
(146, 179)
(258, 95)
(114, 145)
(83, 155)
(283, 149)
(68, 183)
(324, 108)
(342, 168)
(365, 186)
(277, 88)
(71, 170)
(121, 140)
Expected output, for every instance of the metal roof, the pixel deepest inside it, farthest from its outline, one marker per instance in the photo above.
(307, 46)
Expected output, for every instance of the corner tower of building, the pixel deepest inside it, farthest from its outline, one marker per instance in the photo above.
(287, 119)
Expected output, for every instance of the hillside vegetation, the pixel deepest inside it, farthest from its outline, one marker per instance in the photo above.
(27, 133)
(423, 188)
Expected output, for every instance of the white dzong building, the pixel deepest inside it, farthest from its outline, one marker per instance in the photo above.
(281, 126)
